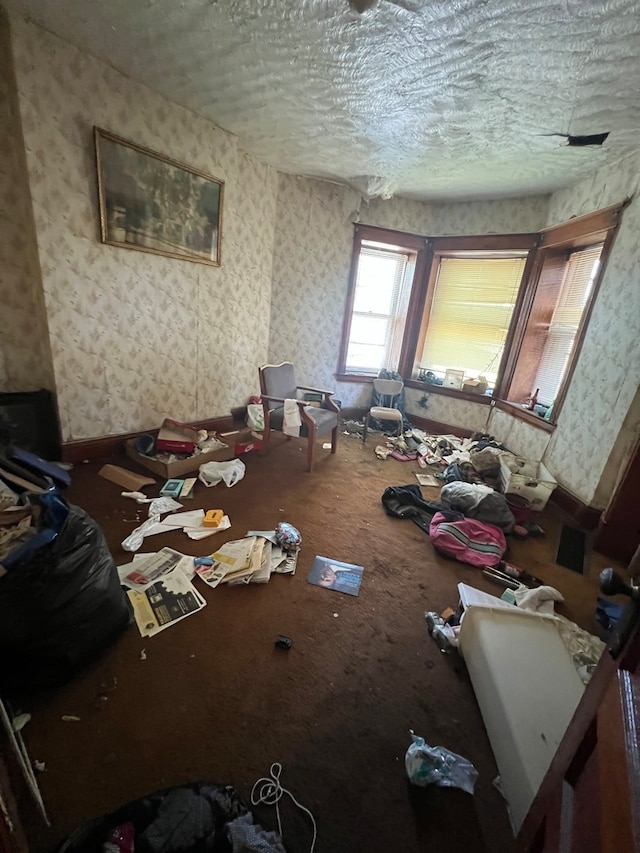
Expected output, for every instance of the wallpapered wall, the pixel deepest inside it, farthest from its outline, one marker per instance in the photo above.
(136, 337)
(25, 357)
(311, 267)
(312, 255)
(608, 372)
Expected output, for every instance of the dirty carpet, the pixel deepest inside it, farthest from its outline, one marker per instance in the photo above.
(212, 697)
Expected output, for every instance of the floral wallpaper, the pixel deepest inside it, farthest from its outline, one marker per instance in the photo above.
(312, 256)
(136, 337)
(25, 357)
(607, 375)
(502, 216)
(517, 436)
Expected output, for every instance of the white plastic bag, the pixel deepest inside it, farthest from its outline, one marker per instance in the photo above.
(255, 416)
(230, 473)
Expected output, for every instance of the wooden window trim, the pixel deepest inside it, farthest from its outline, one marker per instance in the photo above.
(576, 233)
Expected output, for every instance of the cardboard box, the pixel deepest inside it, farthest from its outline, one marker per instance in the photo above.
(171, 470)
(243, 440)
(528, 478)
(175, 437)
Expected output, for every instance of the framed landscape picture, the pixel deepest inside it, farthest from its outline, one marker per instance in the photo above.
(151, 203)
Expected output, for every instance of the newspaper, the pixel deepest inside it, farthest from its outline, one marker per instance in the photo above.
(144, 571)
(164, 602)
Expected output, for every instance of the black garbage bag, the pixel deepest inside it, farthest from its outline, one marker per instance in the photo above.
(60, 606)
(191, 818)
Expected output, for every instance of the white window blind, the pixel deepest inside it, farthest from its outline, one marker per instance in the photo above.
(383, 287)
(563, 329)
(470, 316)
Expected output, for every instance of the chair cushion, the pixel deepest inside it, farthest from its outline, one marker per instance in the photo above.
(385, 414)
(324, 419)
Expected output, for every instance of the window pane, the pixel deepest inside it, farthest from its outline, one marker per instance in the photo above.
(470, 315)
(377, 281)
(576, 288)
(383, 286)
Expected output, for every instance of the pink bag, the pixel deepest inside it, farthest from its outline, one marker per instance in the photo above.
(468, 540)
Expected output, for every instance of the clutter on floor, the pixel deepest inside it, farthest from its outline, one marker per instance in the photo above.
(179, 449)
(160, 588)
(469, 523)
(198, 816)
(499, 641)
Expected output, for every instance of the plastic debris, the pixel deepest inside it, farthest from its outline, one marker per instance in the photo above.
(40, 766)
(70, 718)
(20, 721)
(435, 765)
(143, 654)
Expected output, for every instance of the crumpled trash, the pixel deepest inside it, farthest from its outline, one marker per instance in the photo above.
(134, 539)
(435, 765)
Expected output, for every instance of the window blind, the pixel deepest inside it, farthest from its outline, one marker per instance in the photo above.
(565, 322)
(383, 286)
(470, 315)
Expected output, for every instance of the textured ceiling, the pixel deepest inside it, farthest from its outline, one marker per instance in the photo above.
(431, 100)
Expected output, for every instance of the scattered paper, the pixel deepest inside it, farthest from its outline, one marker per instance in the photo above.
(426, 479)
(146, 571)
(165, 602)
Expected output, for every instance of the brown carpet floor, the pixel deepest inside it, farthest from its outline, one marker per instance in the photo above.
(215, 700)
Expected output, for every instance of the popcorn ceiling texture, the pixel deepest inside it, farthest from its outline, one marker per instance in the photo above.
(461, 99)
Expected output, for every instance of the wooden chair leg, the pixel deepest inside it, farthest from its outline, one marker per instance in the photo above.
(366, 427)
(311, 446)
(334, 439)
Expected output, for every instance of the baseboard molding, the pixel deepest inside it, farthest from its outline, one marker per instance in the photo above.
(104, 446)
(585, 516)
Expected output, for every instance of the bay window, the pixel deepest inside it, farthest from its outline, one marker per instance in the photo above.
(492, 317)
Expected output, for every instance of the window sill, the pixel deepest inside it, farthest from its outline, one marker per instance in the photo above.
(482, 399)
(422, 386)
(524, 415)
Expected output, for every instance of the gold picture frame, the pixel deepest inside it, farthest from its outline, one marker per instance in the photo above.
(151, 203)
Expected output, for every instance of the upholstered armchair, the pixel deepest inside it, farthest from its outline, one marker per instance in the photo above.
(286, 411)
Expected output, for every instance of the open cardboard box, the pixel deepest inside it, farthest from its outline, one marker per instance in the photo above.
(238, 442)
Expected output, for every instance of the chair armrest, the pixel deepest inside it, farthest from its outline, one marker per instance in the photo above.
(316, 390)
(270, 399)
(264, 397)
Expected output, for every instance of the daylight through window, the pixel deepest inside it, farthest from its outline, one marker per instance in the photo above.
(496, 316)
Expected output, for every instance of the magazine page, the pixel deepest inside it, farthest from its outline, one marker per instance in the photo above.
(332, 574)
